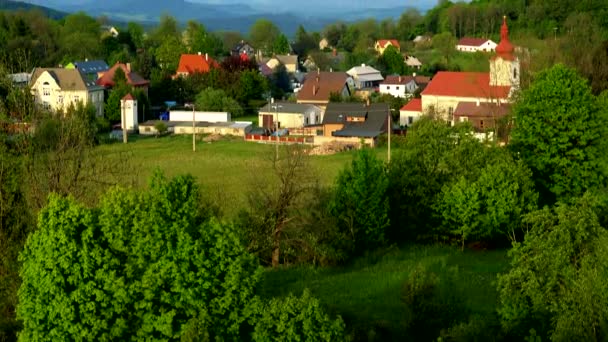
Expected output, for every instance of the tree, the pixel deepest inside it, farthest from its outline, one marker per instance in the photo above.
(392, 61)
(216, 100)
(558, 281)
(304, 42)
(251, 86)
(559, 130)
(198, 39)
(263, 34)
(361, 202)
(445, 43)
(147, 265)
(281, 45)
(168, 54)
(294, 319)
(407, 27)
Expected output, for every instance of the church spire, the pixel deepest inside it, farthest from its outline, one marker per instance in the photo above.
(504, 47)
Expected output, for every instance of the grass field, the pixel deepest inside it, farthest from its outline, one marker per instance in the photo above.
(226, 168)
(367, 293)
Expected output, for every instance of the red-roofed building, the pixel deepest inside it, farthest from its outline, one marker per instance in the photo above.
(106, 79)
(410, 112)
(198, 63)
(449, 89)
(475, 44)
(382, 44)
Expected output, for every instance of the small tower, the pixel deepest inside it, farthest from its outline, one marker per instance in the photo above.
(504, 66)
(128, 113)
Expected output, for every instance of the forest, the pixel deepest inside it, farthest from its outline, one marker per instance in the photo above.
(87, 253)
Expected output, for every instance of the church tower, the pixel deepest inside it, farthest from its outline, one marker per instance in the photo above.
(504, 66)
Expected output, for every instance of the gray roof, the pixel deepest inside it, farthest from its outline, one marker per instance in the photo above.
(90, 67)
(67, 79)
(376, 119)
(289, 107)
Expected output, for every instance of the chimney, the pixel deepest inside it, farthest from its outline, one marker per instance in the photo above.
(477, 102)
(414, 74)
(129, 67)
(399, 79)
(314, 89)
(334, 52)
(363, 64)
(331, 69)
(86, 59)
(367, 102)
(318, 71)
(206, 56)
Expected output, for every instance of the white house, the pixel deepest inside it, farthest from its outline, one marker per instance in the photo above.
(413, 62)
(403, 86)
(476, 44)
(186, 115)
(289, 115)
(128, 113)
(411, 112)
(365, 76)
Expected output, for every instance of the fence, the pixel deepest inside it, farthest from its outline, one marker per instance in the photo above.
(282, 140)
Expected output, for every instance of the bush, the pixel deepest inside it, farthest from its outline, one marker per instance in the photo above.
(161, 127)
(294, 319)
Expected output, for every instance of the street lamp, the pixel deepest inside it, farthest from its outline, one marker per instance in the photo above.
(193, 126)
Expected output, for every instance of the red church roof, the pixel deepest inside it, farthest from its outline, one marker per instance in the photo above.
(189, 64)
(465, 84)
(384, 42)
(415, 105)
(505, 49)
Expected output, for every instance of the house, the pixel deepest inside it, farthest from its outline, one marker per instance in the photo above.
(199, 116)
(410, 112)
(332, 59)
(289, 61)
(412, 62)
(365, 76)
(243, 48)
(448, 89)
(21, 79)
(57, 88)
(91, 69)
(382, 44)
(194, 63)
(356, 120)
(289, 115)
(403, 86)
(482, 116)
(421, 40)
(106, 79)
(233, 128)
(475, 44)
(319, 86)
(323, 44)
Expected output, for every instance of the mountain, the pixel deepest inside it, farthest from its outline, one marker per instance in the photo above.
(9, 5)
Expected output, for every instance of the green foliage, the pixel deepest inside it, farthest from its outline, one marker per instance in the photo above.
(263, 34)
(361, 203)
(558, 281)
(281, 45)
(392, 61)
(491, 206)
(216, 100)
(559, 134)
(294, 319)
(105, 273)
(446, 43)
(160, 127)
(168, 53)
(112, 108)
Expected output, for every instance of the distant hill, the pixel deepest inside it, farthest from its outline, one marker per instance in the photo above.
(9, 5)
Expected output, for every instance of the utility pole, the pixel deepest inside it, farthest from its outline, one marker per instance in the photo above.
(390, 128)
(276, 126)
(123, 103)
(193, 130)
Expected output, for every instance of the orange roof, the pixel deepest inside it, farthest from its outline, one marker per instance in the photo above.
(465, 84)
(189, 64)
(384, 42)
(467, 41)
(128, 97)
(415, 105)
(107, 79)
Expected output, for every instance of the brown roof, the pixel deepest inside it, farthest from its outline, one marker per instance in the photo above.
(319, 85)
(107, 79)
(473, 109)
(393, 79)
(467, 41)
(67, 79)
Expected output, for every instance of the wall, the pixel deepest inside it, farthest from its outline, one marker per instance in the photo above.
(329, 128)
(441, 104)
(57, 99)
(320, 140)
(184, 115)
(399, 90)
(286, 120)
(404, 117)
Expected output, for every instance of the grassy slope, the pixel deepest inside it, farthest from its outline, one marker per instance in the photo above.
(225, 168)
(367, 293)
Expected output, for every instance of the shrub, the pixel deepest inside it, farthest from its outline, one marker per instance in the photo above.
(161, 127)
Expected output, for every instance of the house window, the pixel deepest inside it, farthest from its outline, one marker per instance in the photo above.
(60, 99)
(397, 87)
(481, 124)
(46, 91)
(410, 120)
(388, 87)
(450, 112)
(464, 118)
(46, 105)
(515, 73)
(76, 98)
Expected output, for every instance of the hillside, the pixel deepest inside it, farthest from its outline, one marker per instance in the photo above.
(10, 5)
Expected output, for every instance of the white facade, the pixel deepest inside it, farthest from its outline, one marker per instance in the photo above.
(407, 118)
(365, 76)
(398, 89)
(128, 117)
(185, 115)
(487, 46)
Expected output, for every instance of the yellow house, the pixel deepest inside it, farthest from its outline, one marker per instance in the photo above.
(382, 44)
(57, 88)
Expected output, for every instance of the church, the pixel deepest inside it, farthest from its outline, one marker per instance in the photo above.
(478, 97)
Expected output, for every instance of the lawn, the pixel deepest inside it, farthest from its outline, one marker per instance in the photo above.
(226, 168)
(367, 293)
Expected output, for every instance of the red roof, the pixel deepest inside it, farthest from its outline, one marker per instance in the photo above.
(504, 48)
(415, 105)
(384, 42)
(244, 57)
(467, 41)
(465, 84)
(107, 79)
(189, 64)
(128, 97)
